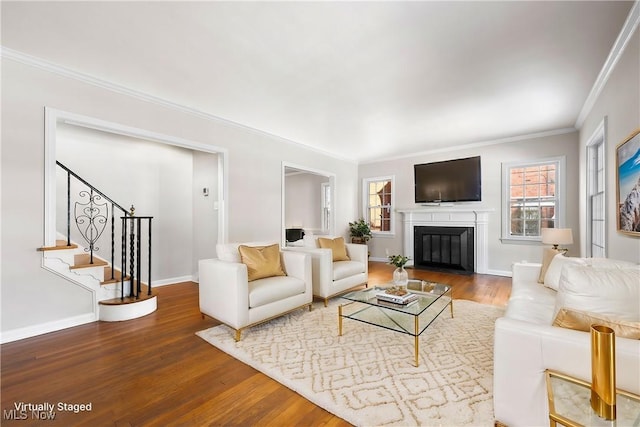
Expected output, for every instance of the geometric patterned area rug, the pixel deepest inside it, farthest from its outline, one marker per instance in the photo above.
(367, 376)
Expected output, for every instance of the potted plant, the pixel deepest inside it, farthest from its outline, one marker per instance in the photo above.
(400, 275)
(360, 231)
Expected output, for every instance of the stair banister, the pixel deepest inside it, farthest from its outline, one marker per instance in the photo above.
(91, 214)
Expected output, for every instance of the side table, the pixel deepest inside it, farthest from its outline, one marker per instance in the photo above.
(569, 403)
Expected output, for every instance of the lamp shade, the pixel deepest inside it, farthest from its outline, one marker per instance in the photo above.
(557, 236)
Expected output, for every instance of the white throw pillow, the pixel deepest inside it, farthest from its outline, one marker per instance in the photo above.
(552, 277)
(613, 292)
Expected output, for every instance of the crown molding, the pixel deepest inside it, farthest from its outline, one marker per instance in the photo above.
(475, 145)
(51, 67)
(629, 27)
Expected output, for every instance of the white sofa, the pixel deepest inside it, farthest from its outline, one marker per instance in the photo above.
(226, 294)
(333, 278)
(526, 343)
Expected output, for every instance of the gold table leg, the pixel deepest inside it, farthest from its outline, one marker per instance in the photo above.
(451, 306)
(417, 341)
(340, 320)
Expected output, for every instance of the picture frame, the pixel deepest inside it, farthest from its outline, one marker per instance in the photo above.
(628, 185)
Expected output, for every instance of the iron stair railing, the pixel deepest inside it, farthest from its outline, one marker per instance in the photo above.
(91, 215)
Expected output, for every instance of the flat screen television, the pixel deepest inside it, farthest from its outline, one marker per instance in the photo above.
(456, 180)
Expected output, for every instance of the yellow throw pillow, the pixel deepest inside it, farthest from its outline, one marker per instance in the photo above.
(261, 261)
(582, 321)
(337, 246)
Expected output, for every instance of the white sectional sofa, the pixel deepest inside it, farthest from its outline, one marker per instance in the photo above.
(526, 343)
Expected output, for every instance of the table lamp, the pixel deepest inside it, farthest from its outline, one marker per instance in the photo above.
(557, 236)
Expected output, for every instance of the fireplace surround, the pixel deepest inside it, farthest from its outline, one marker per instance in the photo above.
(454, 217)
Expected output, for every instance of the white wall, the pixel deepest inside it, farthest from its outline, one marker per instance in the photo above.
(33, 298)
(501, 255)
(619, 102)
(303, 200)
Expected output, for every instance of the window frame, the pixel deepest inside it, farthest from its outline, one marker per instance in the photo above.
(366, 207)
(560, 198)
(596, 155)
(325, 206)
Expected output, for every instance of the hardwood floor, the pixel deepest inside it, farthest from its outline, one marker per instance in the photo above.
(154, 371)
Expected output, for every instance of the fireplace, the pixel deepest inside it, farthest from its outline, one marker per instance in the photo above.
(474, 217)
(449, 248)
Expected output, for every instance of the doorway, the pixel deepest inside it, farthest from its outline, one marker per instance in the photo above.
(308, 202)
(129, 145)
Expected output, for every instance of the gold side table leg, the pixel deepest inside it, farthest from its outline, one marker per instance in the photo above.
(451, 306)
(340, 320)
(416, 343)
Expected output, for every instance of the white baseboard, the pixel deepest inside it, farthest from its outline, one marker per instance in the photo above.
(490, 272)
(504, 273)
(172, 281)
(44, 328)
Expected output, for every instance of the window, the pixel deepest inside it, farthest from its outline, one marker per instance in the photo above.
(326, 205)
(378, 195)
(596, 195)
(532, 198)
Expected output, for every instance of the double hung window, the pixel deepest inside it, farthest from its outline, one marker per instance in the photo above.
(532, 198)
(378, 195)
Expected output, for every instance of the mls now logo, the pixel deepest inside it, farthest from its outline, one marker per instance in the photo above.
(14, 414)
(23, 414)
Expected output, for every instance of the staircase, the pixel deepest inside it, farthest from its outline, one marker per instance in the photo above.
(117, 296)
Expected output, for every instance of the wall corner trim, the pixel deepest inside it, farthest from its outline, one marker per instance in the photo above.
(627, 31)
(51, 67)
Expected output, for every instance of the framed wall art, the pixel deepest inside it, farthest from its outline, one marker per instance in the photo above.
(628, 184)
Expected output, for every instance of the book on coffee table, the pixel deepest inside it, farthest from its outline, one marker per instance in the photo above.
(385, 303)
(396, 299)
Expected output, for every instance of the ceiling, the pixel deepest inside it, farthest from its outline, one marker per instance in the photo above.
(359, 80)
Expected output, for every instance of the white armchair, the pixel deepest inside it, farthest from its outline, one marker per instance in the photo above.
(333, 278)
(228, 296)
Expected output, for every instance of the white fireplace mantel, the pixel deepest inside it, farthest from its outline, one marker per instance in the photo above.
(450, 216)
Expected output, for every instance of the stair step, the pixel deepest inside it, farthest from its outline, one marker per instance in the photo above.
(127, 300)
(84, 261)
(119, 310)
(117, 276)
(60, 245)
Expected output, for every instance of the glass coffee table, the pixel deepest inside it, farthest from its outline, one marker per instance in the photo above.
(413, 319)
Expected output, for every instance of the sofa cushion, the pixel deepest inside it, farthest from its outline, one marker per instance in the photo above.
(612, 292)
(272, 289)
(552, 276)
(337, 246)
(534, 292)
(530, 311)
(261, 261)
(547, 256)
(342, 269)
(609, 263)
(582, 321)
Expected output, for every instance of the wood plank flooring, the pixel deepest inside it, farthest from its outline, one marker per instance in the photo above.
(154, 371)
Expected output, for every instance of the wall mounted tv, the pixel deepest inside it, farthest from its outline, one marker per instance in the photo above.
(449, 181)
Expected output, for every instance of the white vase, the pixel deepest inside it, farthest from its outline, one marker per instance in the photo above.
(400, 277)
